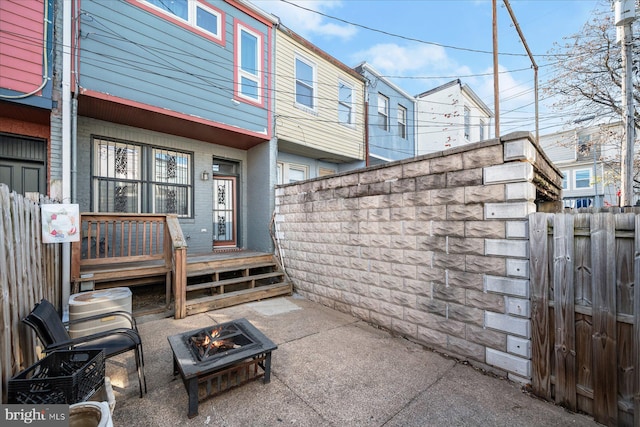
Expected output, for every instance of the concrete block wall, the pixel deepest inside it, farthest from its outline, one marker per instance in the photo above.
(433, 248)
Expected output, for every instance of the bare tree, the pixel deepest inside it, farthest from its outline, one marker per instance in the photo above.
(587, 78)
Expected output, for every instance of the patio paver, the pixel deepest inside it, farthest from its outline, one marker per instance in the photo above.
(330, 369)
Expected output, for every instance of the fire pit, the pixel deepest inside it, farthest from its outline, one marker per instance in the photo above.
(217, 358)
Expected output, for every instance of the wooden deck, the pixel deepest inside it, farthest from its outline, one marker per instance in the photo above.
(213, 280)
(118, 249)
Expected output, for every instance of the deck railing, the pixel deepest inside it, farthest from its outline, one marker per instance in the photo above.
(116, 246)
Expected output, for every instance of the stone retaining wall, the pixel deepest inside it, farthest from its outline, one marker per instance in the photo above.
(434, 248)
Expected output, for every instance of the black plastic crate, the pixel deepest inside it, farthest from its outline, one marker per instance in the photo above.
(62, 377)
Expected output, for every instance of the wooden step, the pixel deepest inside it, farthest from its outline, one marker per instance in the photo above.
(139, 281)
(197, 266)
(233, 281)
(122, 271)
(201, 271)
(201, 305)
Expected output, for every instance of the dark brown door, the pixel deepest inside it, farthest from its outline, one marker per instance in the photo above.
(22, 164)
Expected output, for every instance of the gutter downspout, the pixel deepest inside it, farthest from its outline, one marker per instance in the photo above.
(366, 127)
(414, 127)
(74, 113)
(66, 146)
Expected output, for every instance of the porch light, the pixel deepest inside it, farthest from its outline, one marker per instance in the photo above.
(204, 176)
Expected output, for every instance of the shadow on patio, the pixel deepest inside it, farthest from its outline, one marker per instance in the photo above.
(330, 369)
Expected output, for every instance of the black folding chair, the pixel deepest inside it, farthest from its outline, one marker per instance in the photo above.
(51, 331)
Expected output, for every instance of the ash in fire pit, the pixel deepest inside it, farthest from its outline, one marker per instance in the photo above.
(217, 341)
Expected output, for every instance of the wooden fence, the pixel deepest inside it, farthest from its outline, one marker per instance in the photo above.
(585, 310)
(29, 271)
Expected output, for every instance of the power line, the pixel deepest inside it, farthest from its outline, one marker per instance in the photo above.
(387, 33)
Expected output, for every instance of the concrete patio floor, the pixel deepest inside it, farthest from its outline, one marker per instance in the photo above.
(330, 369)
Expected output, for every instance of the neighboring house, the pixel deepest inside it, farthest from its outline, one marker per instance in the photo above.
(175, 116)
(156, 106)
(26, 102)
(319, 115)
(450, 116)
(589, 159)
(390, 118)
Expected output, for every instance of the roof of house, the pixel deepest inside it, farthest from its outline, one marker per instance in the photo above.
(255, 9)
(366, 66)
(321, 53)
(464, 88)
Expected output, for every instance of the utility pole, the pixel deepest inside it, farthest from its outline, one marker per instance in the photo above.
(625, 13)
(533, 64)
(496, 86)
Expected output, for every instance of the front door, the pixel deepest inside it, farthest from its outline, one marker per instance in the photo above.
(224, 211)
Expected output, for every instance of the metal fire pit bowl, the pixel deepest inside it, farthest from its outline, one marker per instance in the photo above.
(209, 376)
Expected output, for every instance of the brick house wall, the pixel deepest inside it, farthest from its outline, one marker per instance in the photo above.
(433, 248)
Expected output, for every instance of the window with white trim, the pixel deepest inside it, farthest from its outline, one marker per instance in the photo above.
(195, 13)
(291, 172)
(383, 112)
(137, 178)
(402, 122)
(565, 181)
(345, 103)
(249, 63)
(582, 179)
(305, 90)
(482, 129)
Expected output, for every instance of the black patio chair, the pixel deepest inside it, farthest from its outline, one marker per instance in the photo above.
(53, 334)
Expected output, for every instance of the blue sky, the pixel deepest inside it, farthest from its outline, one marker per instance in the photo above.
(463, 25)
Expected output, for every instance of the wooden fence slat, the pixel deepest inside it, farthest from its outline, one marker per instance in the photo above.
(539, 275)
(38, 254)
(636, 325)
(14, 287)
(5, 299)
(583, 295)
(624, 254)
(28, 272)
(564, 348)
(605, 394)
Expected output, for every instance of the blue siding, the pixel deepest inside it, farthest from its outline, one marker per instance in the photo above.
(127, 52)
(387, 143)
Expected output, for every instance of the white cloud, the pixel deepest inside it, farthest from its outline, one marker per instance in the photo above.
(393, 59)
(305, 22)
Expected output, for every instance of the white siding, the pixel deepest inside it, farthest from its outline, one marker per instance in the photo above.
(441, 123)
(560, 147)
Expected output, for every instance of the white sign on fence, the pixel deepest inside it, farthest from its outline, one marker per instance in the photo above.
(60, 223)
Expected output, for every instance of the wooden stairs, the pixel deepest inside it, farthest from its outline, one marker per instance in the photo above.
(224, 279)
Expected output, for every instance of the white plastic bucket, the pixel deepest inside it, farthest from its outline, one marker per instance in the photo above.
(105, 394)
(90, 414)
(92, 303)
